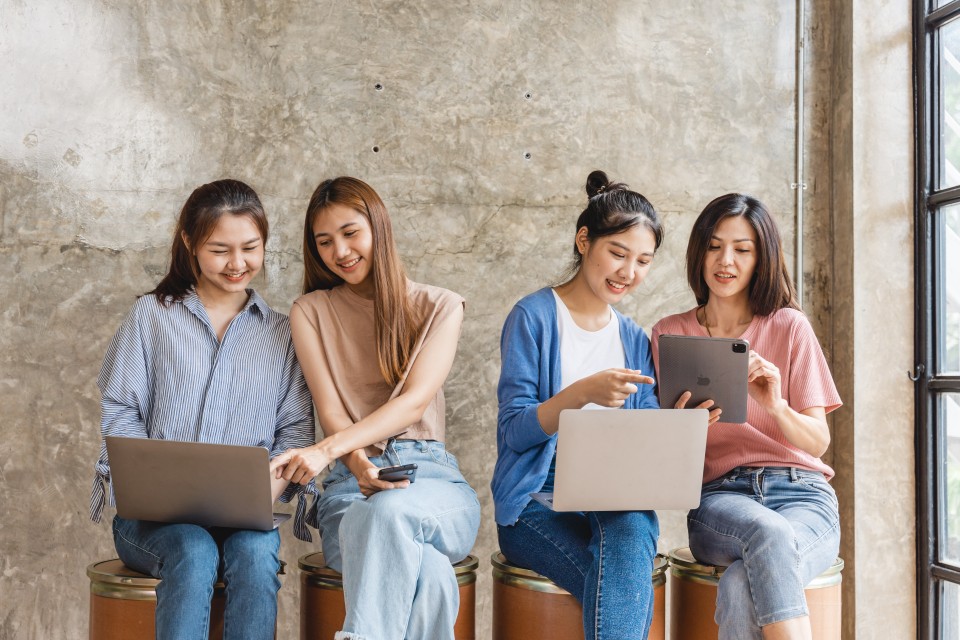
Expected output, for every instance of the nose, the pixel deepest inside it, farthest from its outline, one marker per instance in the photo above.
(726, 255)
(236, 259)
(340, 249)
(628, 270)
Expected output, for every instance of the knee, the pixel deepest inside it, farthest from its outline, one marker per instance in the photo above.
(371, 518)
(255, 551)
(195, 562)
(771, 532)
(640, 529)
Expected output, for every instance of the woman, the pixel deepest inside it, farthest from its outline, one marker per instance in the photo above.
(566, 347)
(376, 349)
(767, 512)
(203, 358)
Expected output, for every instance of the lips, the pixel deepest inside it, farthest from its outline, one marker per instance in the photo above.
(349, 264)
(618, 287)
(235, 277)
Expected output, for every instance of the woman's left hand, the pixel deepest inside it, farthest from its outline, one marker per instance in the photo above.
(763, 382)
(299, 465)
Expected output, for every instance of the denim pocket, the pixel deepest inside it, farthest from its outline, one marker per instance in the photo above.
(818, 483)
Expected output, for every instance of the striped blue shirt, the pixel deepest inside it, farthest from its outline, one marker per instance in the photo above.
(167, 376)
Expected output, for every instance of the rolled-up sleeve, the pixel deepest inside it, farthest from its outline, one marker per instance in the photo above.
(124, 384)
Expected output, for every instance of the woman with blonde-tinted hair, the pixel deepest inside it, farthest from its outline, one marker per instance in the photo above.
(376, 349)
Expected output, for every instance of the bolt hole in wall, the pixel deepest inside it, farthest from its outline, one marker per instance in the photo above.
(378, 87)
(376, 149)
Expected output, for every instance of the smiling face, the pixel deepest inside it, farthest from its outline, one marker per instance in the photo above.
(731, 258)
(345, 244)
(230, 257)
(614, 265)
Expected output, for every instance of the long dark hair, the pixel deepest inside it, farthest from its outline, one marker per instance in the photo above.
(394, 322)
(771, 288)
(198, 218)
(611, 209)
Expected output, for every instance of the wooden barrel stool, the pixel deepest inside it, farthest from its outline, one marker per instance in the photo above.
(123, 603)
(527, 606)
(322, 609)
(693, 594)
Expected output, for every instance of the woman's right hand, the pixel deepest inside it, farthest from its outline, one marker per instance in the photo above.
(706, 404)
(366, 474)
(611, 387)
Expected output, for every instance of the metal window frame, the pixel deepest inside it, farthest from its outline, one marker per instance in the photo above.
(929, 275)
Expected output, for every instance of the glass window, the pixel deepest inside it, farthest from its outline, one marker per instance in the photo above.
(949, 411)
(950, 114)
(949, 303)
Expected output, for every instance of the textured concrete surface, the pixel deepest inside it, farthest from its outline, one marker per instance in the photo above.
(477, 122)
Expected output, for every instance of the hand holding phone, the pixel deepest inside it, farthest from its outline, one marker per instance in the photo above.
(398, 473)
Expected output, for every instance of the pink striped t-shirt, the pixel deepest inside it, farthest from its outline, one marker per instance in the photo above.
(786, 339)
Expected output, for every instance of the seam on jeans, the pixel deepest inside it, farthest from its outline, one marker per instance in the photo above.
(596, 606)
(719, 533)
(562, 551)
(780, 616)
(833, 527)
(133, 544)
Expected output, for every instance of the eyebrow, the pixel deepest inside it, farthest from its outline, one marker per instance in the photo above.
(224, 244)
(341, 228)
(736, 240)
(627, 249)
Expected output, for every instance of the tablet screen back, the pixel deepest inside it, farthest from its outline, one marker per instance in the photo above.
(710, 368)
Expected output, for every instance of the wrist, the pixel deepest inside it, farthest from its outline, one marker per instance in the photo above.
(779, 409)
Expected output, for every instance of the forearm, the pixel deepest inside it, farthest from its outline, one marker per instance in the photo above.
(389, 420)
(548, 413)
(807, 433)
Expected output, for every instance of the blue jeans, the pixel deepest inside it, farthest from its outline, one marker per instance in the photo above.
(188, 559)
(775, 529)
(395, 549)
(603, 558)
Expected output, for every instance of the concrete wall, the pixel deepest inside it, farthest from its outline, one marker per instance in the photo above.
(488, 119)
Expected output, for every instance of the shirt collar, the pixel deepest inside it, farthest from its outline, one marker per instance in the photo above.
(192, 302)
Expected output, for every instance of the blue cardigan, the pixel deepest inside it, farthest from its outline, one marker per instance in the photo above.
(530, 375)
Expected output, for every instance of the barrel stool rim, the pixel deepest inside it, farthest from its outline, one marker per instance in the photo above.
(320, 575)
(510, 574)
(684, 565)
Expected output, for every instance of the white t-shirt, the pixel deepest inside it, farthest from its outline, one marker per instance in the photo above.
(584, 353)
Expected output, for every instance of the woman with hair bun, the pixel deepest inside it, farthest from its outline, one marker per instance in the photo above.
(767, 511)
(566, 347)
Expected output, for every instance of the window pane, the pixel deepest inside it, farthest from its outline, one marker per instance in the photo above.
(950, 117)
(949, 611)
(949, 419)
(948, 299)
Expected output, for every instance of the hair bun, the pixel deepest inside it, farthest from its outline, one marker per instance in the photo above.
(597, 182)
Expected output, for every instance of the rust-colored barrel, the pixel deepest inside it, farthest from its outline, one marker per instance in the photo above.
(527, 606)
(693, 595)
(123, 603)
(322, 609)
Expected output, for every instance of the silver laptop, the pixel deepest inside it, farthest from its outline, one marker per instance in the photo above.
(709, 368)
(628, 460)
(214, 485)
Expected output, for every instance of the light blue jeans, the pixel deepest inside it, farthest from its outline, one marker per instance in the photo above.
(395, 549)
(775, 529)
(188, 559)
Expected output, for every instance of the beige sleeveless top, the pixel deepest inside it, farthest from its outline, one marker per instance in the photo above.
(343, 322)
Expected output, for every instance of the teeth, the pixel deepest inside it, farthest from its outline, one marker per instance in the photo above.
(616, 285)
(347, 265)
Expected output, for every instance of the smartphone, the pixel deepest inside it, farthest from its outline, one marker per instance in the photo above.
(398, 473)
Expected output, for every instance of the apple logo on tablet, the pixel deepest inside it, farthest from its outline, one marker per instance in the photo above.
(703, 381)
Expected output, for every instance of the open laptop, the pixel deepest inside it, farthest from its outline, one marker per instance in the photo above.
(709, 368)
(214, 485)
(628, 460)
